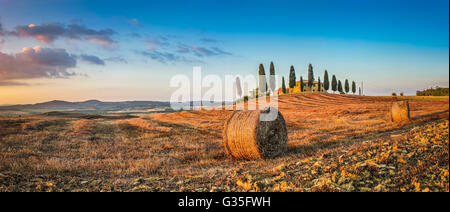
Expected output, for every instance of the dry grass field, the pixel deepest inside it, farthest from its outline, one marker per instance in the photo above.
(336, 143)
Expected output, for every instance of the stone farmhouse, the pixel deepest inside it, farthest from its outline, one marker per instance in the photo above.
(306, 88)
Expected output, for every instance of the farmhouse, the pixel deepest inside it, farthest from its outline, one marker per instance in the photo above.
(306, 88)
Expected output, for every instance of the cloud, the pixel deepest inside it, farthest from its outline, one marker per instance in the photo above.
(47, 57)
(2, 41)
(220, 51)
(12, 83)
(162, 38)
(1, 29)
(163, 49)
(45, 33)
(92, 59)
(134, 22)
(116, 59)
(49, 32)
(135, 35)
(76, 20)
(182, 49)
(36, 62)
(165, 57)
(162, 57)
(201, 51)
(103, 37)
(156, 44)
(209, 40)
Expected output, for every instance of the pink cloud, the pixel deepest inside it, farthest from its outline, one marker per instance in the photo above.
(36, 62)
(48, 33)
(134, 22)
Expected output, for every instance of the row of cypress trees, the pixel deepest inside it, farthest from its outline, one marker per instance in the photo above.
(263, 80)
(336, 85)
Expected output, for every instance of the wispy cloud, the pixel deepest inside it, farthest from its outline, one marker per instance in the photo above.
(134, 34)
(134, 21)
(162, 57)
(103, 36)
(167, 57)
(117, 59)
(76, 20)
(156, 44)
(220, 51)
(182, 48)
(209, 40)
(1, 28)
(168, 49)
(92, 59)
(201, 51)
(12, 83)
(49, 32)
(2, 41)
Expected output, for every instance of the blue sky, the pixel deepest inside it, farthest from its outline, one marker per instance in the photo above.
(130, 50)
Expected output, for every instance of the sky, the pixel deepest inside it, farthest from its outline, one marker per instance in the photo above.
(77, 50)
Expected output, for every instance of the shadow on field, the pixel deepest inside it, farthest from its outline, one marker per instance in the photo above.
(87, 116)
(432, 116)
(312, 148)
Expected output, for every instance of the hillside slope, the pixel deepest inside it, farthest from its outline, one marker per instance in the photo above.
(336, 143)
(313, 117)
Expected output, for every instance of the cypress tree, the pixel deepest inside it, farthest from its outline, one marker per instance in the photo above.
(353, 87)
(283, 86)
(340, 87)
(334, 84)
(238, 86)
(326, 82)
(301, 84)
(319, 86)
(346, 86)
(272, 77)
(292, 78)
(262, 79)
(310, 76)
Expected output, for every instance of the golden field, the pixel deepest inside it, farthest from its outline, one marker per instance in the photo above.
(336, 143)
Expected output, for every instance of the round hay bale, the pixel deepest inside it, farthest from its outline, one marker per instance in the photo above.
(400, 111)
(247, 136)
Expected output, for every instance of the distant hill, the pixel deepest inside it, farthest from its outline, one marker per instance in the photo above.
(93, 107)
(56, 105)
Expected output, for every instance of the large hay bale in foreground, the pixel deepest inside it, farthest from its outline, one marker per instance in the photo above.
(400, 111)
(247, 136)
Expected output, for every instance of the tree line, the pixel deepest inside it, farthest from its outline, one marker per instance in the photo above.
(433, 92)
(334, 85)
